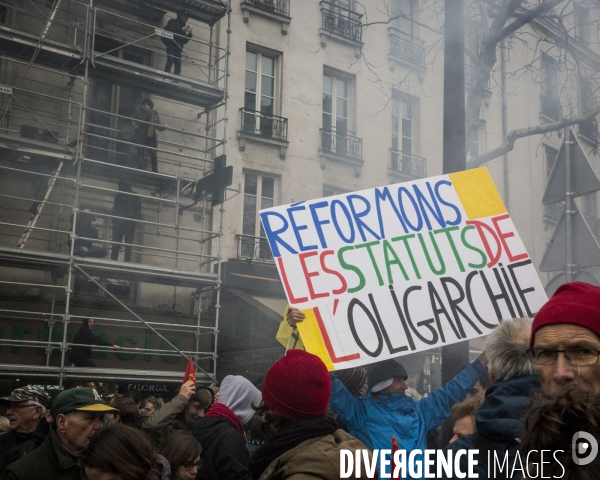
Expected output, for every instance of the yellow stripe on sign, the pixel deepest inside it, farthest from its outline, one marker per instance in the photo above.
(477, 193)
(312, 338)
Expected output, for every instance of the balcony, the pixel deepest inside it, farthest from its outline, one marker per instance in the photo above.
(263, 125)
(279, 7)
(589, 130)
(407, 48)
(408, 165)
(553, 211)
(342, 145)
(342, 22)
(550, 108)
(253, 249)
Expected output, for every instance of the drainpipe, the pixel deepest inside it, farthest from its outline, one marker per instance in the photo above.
(504, 123)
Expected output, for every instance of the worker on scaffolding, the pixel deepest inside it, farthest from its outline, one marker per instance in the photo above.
(86, 228)
(81, 352)
(181, 35)
(144, 133)
(126, 205)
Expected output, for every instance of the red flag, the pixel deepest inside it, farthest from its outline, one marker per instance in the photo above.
(190, 372)
(394, 449)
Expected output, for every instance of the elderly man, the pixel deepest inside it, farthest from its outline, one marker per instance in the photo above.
(499, 421)
(78, 415)
(565, 339)
(28, 428)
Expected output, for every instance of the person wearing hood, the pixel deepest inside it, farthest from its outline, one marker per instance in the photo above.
(80, 355)
(306, 441)
(221, 431)
(386, 411)
(86, 232)
(500, 420)
(124, 453)
(126, 205)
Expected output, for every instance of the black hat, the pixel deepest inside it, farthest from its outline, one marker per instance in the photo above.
(380, 371)
(183, 12)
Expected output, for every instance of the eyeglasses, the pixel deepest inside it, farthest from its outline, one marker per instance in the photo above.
(577, 356)
(190, 465)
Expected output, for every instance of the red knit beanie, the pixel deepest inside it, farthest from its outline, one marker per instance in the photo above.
(575, 303)
(297, 386)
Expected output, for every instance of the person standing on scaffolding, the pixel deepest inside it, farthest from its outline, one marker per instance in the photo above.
(127, 205)
(145, 133)
(181, 35)
(81, 355)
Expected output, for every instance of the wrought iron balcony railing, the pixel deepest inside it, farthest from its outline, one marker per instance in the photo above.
(410, 165)
(281, 7)
(554, 211)
(550, 108)
(407, 48)
(263, 125)
(341, 21)
(253, 248)
(345, 145)
(589, 130)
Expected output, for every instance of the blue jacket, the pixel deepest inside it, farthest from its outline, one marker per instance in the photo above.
(374, 420)
(500, 419)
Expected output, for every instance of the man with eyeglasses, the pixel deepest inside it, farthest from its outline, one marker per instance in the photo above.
(26, 412)
(565, 339)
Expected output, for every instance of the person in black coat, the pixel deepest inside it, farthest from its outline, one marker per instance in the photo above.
(80, 356)
(181, 35)
(86, 227)
(128, 206)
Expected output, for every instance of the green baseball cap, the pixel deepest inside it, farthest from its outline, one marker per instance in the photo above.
(81, 400)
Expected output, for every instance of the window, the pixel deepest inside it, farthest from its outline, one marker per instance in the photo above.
(403, 14)
(259, 95)
(402, 127)
(582, 23)
(550, 155)
(476, 144)
(259, 193)
(588, 103)
(550, 107)
(590, 204)
(550, 80)
(2, 14)
(336, 115)
(330, 190)
(340, 17)
(112, 98)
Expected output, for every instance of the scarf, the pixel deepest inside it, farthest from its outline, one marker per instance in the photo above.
(150, 119)
(160, 469)
(289, 438)
(220, 410)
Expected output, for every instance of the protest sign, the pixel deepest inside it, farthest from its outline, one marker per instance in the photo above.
(398, 269)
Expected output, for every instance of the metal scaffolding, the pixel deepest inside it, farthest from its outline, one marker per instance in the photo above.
(70, 78)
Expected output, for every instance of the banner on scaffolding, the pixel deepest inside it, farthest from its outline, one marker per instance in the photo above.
(403, 268)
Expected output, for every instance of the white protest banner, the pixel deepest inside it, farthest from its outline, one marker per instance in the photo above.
(402, 268)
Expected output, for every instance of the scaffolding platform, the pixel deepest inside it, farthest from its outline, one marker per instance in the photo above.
(109, 269)
(97, 374)
(22, 45)
(31, 146)
(156, 82)
(207, 11)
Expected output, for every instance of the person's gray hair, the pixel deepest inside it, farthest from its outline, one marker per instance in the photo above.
(506, 349)
(32, 403)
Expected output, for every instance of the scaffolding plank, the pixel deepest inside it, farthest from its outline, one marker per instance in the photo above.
(20, 44)
(157, 82)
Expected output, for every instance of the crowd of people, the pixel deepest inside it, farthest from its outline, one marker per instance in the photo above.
(544, 388)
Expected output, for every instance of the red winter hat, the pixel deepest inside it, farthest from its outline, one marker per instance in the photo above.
(297, 386)
(575, 303)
